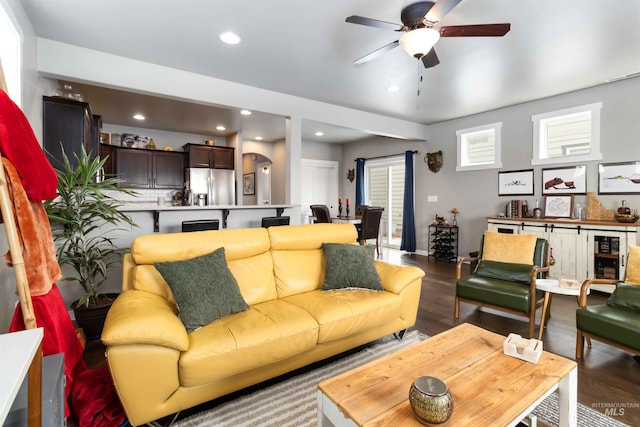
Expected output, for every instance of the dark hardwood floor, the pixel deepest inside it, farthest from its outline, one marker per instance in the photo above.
(607, 376)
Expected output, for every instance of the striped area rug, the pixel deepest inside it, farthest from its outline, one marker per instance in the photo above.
(292, 402)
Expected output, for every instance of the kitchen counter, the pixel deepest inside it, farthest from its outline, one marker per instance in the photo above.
(225, 210)
(151, 206)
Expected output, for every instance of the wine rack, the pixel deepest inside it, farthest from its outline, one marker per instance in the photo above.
(443, 242)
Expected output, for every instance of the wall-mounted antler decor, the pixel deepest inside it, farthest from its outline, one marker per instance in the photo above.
(351, 174)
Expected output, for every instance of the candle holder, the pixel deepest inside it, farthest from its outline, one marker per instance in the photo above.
(339, 210)
(347, 211)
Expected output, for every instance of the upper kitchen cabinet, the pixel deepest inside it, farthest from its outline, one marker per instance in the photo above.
(202, 156)
(68, 124)
(150, 169)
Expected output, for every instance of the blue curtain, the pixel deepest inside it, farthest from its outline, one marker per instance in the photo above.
(408, 242)
(359, 181)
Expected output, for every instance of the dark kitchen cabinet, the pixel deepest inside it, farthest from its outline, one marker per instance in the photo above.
(223, 158)
(108, 152)
(68, 124)
(168, 169)
(202, 156)
(134, 168)
(150, 169)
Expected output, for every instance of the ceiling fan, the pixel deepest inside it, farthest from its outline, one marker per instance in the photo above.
(418, 22)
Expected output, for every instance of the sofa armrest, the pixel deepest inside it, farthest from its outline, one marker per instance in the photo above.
(139, 317)
(394, 277)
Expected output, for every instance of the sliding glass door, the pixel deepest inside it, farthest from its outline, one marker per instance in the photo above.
(384, 186)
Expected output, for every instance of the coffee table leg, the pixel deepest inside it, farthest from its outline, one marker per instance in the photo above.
(568, 399)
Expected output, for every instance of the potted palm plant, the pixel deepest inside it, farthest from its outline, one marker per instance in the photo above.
(83, 217)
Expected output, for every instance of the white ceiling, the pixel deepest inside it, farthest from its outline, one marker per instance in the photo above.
(305, 48)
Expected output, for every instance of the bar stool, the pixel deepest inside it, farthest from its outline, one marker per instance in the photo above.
(272, 221)
(200, 225)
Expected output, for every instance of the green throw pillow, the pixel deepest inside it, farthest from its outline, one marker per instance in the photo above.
(203, 287)
(349, 266)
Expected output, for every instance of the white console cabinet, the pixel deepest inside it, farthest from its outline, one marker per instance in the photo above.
(581, 249)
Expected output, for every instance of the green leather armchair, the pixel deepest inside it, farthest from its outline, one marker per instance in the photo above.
(507, 287)
(616, 323)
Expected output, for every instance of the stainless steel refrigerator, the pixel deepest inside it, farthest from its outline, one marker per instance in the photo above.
(212, 186)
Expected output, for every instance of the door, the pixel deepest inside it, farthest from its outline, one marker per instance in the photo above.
(384, 186)
(568, 247)
(319, 185)
(263, 183)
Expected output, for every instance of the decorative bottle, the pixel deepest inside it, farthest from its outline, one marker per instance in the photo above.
(151, 145)
(624, 209)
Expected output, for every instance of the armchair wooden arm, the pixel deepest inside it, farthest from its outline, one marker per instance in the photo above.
(582, 299)
(459, 265)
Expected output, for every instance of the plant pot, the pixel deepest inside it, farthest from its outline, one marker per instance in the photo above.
(91, 318)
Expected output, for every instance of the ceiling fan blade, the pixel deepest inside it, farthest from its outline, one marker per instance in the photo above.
(355, 19)
(440, 9)
(430, 59)
(482, 30)
(376, 53)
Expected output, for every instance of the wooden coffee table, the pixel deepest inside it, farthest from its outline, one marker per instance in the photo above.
(488, 387)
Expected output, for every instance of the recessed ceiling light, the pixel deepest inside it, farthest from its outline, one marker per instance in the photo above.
(220, 127)
(138, 117)
(258, 138)
(393, 88)
(230, 38)
(245, 112)
(319, 133)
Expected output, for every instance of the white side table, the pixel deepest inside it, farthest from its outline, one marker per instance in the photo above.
(19, 352)
(552, 286)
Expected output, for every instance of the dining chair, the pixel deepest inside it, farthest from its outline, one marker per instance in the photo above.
(321, 213)
(370, 226)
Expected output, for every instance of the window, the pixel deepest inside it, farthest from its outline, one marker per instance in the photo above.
(10, 54)
(384, 186)
(479, 147)
(569, 135)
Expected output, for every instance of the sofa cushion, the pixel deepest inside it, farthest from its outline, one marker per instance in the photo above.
(512, 295)
(515, 248)
(298, 264)
(610, 322)
(520, 273)
(203, 287)
(349, 266)
(626, 297)
(633, 265)
(246, 250)
(342, 313)
(253, 339)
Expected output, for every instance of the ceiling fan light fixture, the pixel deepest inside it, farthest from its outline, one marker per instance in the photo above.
(419, 42)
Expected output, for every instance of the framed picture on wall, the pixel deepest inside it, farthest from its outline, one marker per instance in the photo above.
(619, 178)
(558, 206)
(249, 184)
(515, 183)
(566, 180)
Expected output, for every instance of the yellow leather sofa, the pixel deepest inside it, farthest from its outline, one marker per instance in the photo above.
(159, 368)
